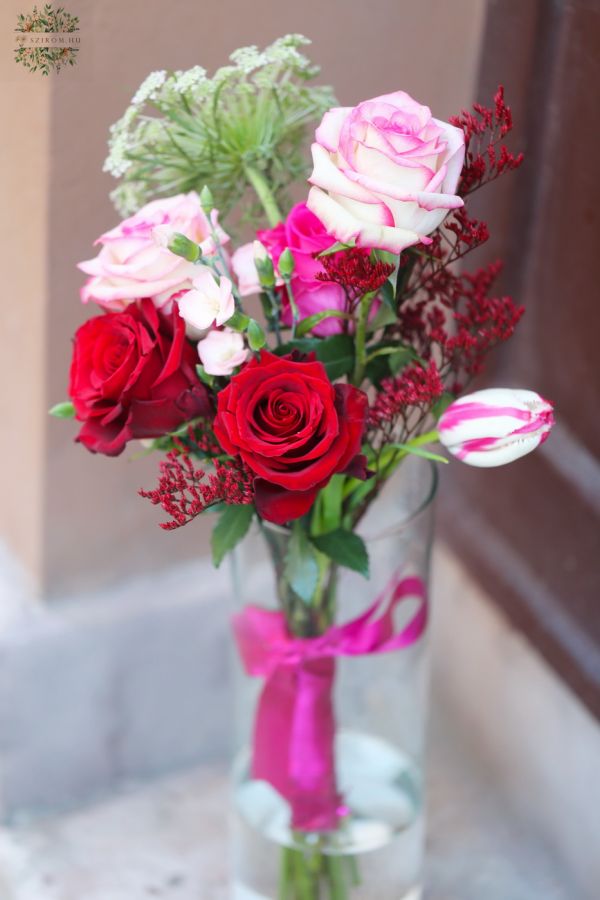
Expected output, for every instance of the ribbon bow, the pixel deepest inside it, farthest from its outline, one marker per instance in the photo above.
(293, 748)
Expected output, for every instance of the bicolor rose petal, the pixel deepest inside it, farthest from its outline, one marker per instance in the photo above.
(134, 260)
(496, 426)
(385, 172)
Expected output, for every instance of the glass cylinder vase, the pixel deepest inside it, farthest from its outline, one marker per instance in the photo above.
(329, 728)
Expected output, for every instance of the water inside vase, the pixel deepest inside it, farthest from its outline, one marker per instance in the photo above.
(383, 832)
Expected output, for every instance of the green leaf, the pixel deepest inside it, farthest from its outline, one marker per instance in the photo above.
(232, 526)
(335, 248)
(301, 569)
(64, 410)
(345, 548)
(400, 358)
(310, 322)
(204, 376)
(335, 352)
(327, 509)
(440, 406)
(385, 316)
(420, 451)
(256, 336)
(386, 292)
(238, 321)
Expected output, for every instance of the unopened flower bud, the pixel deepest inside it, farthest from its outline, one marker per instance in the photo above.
(206, 200)
(264, 265)
(496, 426)
(286, 264)
(177, 243)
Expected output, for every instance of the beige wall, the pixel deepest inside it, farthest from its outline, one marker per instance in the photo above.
(74, 518)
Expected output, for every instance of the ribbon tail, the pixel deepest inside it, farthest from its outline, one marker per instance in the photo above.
(294, 742)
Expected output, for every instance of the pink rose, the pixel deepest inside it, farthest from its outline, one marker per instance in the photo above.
(132, 263)
(385, 172)
(305, 235)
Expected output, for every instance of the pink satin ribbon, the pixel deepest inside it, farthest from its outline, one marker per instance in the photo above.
(294, 729)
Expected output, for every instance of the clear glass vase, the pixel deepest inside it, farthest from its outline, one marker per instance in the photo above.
(357, 728)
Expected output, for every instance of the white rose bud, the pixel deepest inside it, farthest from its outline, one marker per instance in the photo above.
(221, 352)
(495, 426)
(209, 302)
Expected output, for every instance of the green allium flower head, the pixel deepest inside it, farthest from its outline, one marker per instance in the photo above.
(184, 130)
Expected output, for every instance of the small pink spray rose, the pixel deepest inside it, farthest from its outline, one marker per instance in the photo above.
(221, 352)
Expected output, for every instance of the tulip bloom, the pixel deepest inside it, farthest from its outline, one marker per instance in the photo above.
(495, 426)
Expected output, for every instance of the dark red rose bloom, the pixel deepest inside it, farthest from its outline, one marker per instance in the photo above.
(133, 376)
(293, 428)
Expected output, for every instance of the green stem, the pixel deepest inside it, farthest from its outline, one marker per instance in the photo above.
(429, 437)
(293, 305)
(265, 195)
(361, 339)
(335, 874)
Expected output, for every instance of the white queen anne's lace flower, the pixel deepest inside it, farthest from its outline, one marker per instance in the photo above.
(148, 88)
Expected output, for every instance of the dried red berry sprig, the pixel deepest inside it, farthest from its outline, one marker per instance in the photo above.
(184, 491)
(456, 322)
(416, 388)
(355, 271)
(487, 157)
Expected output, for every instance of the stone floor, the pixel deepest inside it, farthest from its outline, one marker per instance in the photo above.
(168, 839)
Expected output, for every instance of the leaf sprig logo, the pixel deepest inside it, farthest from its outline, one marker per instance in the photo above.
(46, 39)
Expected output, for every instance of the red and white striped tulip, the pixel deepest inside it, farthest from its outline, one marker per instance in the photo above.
(495, 426)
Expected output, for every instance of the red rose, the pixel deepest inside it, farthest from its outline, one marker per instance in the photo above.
(133, 376)
(293, 429)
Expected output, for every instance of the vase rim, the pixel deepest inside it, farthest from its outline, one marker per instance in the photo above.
(403, 521)
(421, 506)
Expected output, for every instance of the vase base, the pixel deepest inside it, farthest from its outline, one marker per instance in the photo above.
(383, 832)
(241, 892)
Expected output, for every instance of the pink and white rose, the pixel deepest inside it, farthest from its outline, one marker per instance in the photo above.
(134, 262)
(495, 426)
(385, 172)
(221, 352)
(209, 302)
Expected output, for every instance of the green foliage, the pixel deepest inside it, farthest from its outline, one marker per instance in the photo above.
(256, 336)
(232, 526)
(184, 129)
(419, 451)
(345, 548)
(64, 410)
(301, 569)
(335, 352)
(327, 510)
(311, 322)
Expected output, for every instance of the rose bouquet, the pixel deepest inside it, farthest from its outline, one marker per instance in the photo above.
(369, 332)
